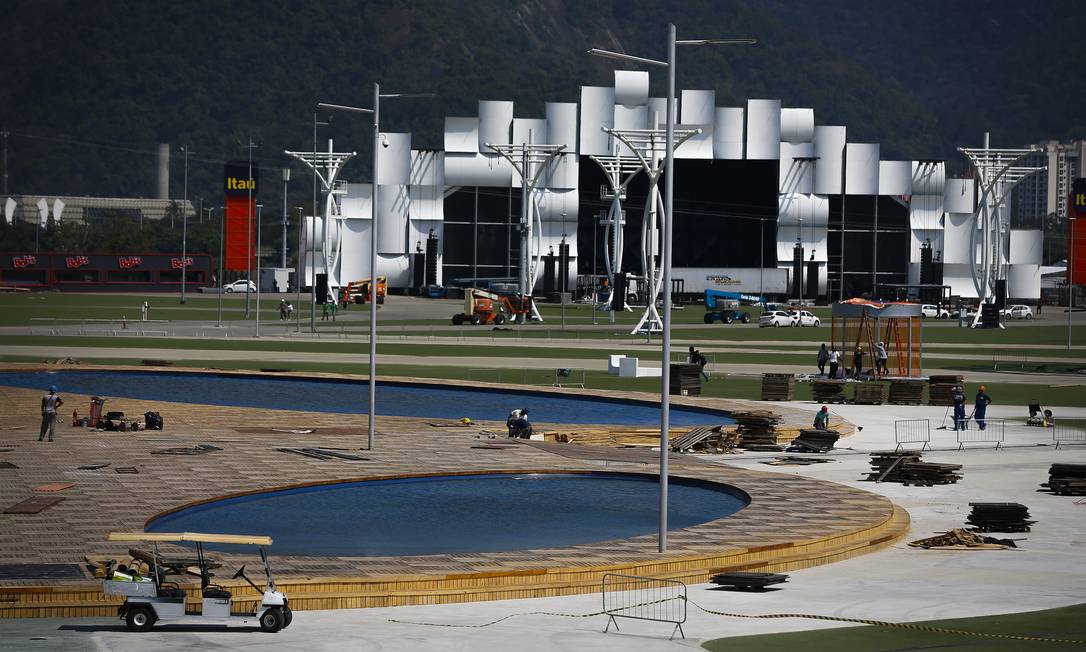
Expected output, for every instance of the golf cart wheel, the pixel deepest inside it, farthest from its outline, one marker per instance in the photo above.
(139, 619)
(288, 616)
(476, 320)
(272, 620)
(708, 319)
(499, 319)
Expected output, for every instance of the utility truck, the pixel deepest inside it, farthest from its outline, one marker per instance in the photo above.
(154, 597)
(483, 307)
(722, 306)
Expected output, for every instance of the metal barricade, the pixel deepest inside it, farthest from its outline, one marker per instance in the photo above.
(912, 431)
(644, 598)
(1068, 431)
(994, 431)
(569, 378)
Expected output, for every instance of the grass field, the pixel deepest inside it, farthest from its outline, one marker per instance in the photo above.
(1068, 623)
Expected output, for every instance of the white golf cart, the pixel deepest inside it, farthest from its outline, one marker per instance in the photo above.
(158, 599)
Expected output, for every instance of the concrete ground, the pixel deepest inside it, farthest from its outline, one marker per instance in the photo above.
(1047, 570)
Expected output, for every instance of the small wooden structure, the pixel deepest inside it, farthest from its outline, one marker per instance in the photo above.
(859, 323)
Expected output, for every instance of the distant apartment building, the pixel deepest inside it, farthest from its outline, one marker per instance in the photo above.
(1045, 192)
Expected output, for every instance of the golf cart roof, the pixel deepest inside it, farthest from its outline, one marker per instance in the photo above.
(242, 539)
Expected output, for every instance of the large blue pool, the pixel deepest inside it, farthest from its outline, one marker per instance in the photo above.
(347, 396)
(457, 514)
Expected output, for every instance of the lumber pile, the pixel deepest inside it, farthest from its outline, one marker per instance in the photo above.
(908, 469)
(906, 392)
(999, 517)
(757, 430)
(867, 394)
(959, 538)
(1066, 479)
(940, 388)
(813, 441)
(828, 391)
(778, 387)
(705, 439)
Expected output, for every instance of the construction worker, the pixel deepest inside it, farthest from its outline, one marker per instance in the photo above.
(823, 358)
(980, 407)
(957, 395)
(518, 425)
(697, 358)
(857, 362)
(822, 419)
(881, 366)
(49, 405)
(834, 360)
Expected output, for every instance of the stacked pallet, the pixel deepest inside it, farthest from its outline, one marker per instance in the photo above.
(757, 430)
(867, 394)
(940, 389)
(906, 468)
(813, 441)
(778, 387)
(1067, 479)
(906, 392)
(999, 517)
(828, 391)
(706, 439)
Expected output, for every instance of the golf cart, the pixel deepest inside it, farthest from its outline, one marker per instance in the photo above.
(153, 598)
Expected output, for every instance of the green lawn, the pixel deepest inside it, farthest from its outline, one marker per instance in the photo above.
(1067, 623)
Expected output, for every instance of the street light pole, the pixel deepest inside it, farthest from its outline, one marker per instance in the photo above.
(761, 259)
(286, 181)
(222, 230)
(1070, 280)
(184, 223)
(249, 226)
(258, 207)
(298, 275)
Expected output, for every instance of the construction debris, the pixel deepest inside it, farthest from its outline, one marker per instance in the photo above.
(999, 517)
(940, 389)
(757, 430)
(126, 469)
(748, 581)
(796, 461)
(960, 539)
(906, 392)
(33, 505)
(828, 391)
(92, 467)
(324, 454)
(706, 439)
(1066, 480)
(906, 468)
(813, 441)
(198, 449)
(778, 387)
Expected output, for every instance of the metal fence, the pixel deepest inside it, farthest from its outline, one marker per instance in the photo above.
(644, 598)
(1068, 431)
(994, 431)
(912, 431)
(567, 377)
(1009, 358)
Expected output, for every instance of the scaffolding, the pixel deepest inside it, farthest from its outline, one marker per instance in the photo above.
(862, 324)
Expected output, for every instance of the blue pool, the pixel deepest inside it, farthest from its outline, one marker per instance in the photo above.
(349, 396)
(457, 514)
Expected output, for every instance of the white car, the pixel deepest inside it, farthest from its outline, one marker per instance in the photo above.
(804, 318)
(935, 312)
(239, 286)
(776, 318)
(1018, 311)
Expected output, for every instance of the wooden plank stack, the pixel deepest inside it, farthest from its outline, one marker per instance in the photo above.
(867, 394)
(706, 439)
(828, 391)
(778, 387)
(940, 389)
(1067, 479)
(906, 392)
(999, 517)
(813, 441)
(757, 430)
(910, 470)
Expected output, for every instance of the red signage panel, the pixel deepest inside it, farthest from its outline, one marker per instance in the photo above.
(240, 187)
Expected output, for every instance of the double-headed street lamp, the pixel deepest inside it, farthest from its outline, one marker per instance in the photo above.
(376, 111)
(665, 264)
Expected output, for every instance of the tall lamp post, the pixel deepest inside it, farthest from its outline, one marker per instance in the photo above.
(1070, 279)
(222, 230)
(298, 274)
(376, 111)
(184, 222)
(286, 181)
(669, 189)
(258, 207)
(249, 225)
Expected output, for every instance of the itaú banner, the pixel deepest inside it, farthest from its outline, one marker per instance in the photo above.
(750, 280)
(1076, 235)
(240, 186)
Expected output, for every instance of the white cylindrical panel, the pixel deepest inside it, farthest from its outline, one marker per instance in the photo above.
(477, 170)
(393, 206)
(631, 117)
(957, 229)
(597, 112)
(394, 159)
(495, 123)
(797, 125)
(959, 277)
(427, 202)
(895, 178)
(428, 168)
(562, 125)
(658, 108)
(562, 174)
(763, 129)
(698, 107)
(958, 195)
(803, 210)
(354, 262)
(631, 87)
(829, 145)
(796, 176)
(814, 240)
(1026, 247)
(728, 133)
(395, 268)
(919, 237)
(1024, 281)
(356, 203)
(862, 169)
(926, 212)
(462, 135)
(558, 206)
(530, 131)
(929, 178)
